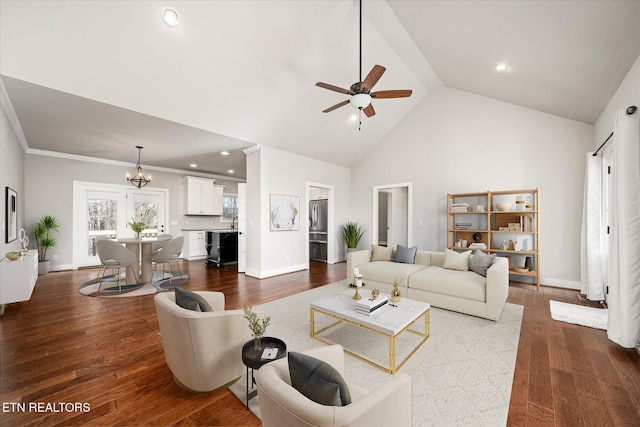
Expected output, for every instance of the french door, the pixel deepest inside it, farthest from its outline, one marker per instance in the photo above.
(106, 210)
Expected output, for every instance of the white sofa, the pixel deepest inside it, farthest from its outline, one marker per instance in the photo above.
(281, 405)
(426, 280)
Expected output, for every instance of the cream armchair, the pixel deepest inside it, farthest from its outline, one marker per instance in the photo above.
(281, 405)
(203, 350)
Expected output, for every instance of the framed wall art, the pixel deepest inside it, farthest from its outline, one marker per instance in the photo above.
(285, 213)
(11, 215)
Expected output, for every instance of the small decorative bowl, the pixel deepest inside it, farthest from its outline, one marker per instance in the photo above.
(13, 255)
(375, 293)
(503, 206)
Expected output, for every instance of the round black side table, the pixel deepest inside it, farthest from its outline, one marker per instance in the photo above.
(253, 360)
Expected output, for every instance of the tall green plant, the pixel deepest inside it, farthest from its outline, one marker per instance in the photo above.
(42, 234)
(352, 232)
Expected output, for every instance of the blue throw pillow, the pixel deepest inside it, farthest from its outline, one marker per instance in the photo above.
(317, 380)
(191, 301)
(405, 255)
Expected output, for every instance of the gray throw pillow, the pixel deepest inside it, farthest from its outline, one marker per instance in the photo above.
(191, 301)
(405, 255)
(317, 380)
(480, 262)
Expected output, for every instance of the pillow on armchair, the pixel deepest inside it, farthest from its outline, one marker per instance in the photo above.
(317, 380)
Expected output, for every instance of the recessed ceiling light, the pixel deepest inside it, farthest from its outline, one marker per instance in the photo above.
(170, 16)
(224, 153)
(231, 171)
(501, 67)
(193, 165)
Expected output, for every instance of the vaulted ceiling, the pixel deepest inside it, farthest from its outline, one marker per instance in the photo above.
(97, 78)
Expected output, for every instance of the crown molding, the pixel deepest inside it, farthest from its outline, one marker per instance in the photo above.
(80, 158)
(13, 118)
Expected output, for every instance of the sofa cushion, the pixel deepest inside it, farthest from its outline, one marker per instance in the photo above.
(387, 271)
(405, 255)
(191, 300)
(480, 262)
(456, 260)
(381, 253)
(461, 284)
(317, 380)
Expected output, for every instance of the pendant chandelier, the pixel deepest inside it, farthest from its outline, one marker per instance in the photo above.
(138, 179)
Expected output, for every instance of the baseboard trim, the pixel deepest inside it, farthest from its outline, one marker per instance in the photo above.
(560, 283)
(263, 274)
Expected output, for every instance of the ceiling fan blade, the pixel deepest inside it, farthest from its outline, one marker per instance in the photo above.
(334, 88)
(369, 111)
(372, 78)
(391, 94)
(342, 104)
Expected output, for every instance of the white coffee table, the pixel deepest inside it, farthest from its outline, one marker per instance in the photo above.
(388, 321)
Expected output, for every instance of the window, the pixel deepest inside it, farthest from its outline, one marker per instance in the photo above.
(229, 207)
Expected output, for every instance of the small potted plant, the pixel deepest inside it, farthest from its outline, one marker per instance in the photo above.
(258, 327)
(352, 232)
(44, 240)
(137, 226)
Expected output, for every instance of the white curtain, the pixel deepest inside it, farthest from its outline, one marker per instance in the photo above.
(591, 283)
(624, 266)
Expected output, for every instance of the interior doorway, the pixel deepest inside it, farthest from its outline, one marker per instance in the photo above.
(392, 214)
(320, 241)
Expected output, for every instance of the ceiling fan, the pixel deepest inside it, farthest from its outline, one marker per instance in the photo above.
(360, 91)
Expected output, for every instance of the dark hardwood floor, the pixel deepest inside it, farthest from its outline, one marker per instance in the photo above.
(68, 349)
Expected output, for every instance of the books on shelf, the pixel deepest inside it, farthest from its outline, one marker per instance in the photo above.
(369, 305)
(478, 245)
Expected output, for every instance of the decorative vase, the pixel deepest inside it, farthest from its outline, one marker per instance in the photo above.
(257, 345)
(528, 264)
(395, 294)
(138, 235)
(43, 267)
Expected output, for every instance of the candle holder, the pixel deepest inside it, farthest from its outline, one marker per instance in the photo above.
(357, 284)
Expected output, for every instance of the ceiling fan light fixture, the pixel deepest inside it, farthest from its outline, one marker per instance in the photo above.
(360, 100)
(170, 16)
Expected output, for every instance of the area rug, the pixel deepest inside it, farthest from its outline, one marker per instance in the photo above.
(461, 376)
(579, 314)
(108, 288)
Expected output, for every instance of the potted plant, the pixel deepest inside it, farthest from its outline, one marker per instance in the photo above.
(352, 232)
(258, 327)
(44, 240)
(137, 226)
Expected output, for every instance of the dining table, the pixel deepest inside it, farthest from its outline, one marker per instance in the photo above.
(142, 250)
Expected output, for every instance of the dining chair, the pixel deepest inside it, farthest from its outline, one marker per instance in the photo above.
(115, 256)
(156, 246)
(168, 254)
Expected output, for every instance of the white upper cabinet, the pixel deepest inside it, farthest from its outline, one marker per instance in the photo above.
(218, 199)
(199, 196)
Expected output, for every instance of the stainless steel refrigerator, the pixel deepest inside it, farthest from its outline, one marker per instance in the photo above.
(318, 229)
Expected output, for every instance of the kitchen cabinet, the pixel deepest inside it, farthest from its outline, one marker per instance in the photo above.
(199, 196)
(194, 244)
(222, 247)
(218, 200)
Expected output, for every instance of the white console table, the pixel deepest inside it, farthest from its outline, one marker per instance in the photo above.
(18, 278)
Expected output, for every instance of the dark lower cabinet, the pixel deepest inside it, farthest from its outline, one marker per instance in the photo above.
(222, 247)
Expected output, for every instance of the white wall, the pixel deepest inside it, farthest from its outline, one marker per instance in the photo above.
(11, 175)
(49, 191)
(627, 94)
(455, 141)
(270, 170)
